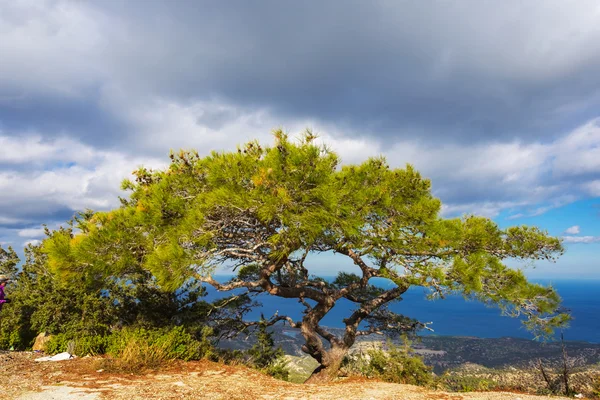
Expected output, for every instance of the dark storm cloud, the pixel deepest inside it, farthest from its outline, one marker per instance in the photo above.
(81, 116)
(444, 70)
(450, 71)
(448, 80)
(28, 212)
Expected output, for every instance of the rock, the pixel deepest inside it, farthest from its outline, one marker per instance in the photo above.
(40, 341)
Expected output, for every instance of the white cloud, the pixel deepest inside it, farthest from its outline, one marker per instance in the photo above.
(581, 239)
(532, 178)
(4, 220)
(31, 233)
(593, 187)
(50, 47)
(574, 230)
(486, 209)
(217, 125)
(84, 178)
(477, 178)
(578, 153)
(34, 149)
(82, 48)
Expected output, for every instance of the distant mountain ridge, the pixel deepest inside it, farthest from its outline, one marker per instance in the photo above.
(444, 352)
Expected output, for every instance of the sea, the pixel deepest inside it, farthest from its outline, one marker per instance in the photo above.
(455, 316)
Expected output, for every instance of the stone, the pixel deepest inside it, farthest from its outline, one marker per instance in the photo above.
(41, 341)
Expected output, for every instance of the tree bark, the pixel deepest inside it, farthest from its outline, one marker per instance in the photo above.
(330, 365)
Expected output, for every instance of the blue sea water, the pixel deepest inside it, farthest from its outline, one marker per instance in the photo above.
(455, 316)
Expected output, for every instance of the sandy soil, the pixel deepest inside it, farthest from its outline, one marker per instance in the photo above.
(23, 379)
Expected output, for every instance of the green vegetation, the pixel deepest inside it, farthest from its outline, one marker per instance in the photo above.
(596, 387)
(265, 210)
(88, 311)
(136, 272)
(467, 383)
(136, 322)
(397, 364)
(469, 378)
(266, 357)
(137, 349)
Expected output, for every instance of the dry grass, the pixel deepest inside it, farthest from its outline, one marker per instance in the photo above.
(138, 356)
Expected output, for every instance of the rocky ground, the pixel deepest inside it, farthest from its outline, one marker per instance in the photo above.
(22, 378)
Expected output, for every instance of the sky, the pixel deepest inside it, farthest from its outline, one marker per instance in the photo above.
(497, 102)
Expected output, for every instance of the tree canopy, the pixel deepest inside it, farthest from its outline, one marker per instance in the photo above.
(263, 210)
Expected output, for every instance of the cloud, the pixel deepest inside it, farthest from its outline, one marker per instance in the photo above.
(574, 230)
(492, 109)
(52, 48)
(392, 70)
(68, 178)
(34, 149)
(593, 187)
(581, 239)
(526, 179)
(31, 233)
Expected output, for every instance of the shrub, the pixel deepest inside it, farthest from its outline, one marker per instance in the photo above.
(596, 387)
(78, 345)
(85, 306)
(466, 383)
(230, 357)
(266, 357)
(278, 370)
(137, 349)
(398, 365)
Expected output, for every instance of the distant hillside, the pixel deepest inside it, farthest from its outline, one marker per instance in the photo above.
(443, 352)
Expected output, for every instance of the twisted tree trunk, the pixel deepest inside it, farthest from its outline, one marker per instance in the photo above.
(330, 365)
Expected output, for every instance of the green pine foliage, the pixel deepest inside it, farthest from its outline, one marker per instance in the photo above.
(87, 312)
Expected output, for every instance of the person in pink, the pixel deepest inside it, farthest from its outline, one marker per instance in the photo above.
(3, 281)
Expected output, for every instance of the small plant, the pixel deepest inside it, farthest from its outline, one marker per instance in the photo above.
(77, 345)
(266, 357)
(466, 383)
(596, 387)
(398, 364)
(278, 370)
(561, 381)
(139, 349)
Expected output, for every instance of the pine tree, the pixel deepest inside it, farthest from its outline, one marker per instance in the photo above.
(266, 211)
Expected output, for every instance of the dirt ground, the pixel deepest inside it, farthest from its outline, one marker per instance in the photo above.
(24, 379)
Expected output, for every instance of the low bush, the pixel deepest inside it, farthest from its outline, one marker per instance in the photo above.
(468, 378)
(466, 383)
(138, 349)
(266, 357)
(596, 387)
(78, 345)
(397, 364)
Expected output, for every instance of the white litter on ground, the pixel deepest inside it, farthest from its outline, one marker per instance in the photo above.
(58, 357)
